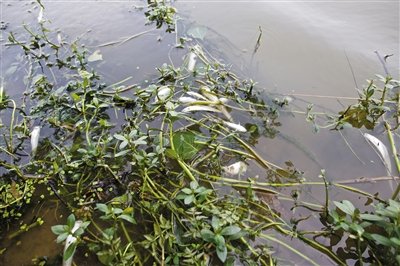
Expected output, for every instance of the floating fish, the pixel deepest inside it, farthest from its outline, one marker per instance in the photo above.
(236, 127)
(208, 94)
(237, 168)
(381, 148)
(194, 108)
(35, 135)
(184, 99)
(192, 61)
(163, 93)
(197, 95)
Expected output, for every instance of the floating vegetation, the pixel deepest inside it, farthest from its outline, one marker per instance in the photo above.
(158, 173)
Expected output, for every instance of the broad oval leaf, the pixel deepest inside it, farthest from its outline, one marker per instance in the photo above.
(127, 218)
(230, 230)
(345, 206)
(58, 229)
(207, 235)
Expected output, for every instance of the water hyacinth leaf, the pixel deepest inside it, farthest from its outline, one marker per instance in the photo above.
(95, 56)
(197, 32)
(382, 150)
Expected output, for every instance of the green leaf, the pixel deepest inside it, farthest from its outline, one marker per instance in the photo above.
(185, 146)
(215, 223)
(230, 230)
(69, 252)
(371, 217)
(71, 221)
(102, 207)
(189, 199)
(222, 253)
(75, 97)
(187, 191)
(194, 185)
(181, 196)
(171, 154)
(121, 153)
(345, 206)
(62, 237)
(119, 137)
(117, 210)
(207, 235)
(381, 240)
(105, 257)
(58, 229)
(123, 144)
(127, 218)
(140, 141)
(395, 241)
(219, 241)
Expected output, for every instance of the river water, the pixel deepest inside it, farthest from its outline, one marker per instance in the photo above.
(313, 51)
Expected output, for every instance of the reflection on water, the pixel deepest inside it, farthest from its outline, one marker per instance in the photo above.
(307, 47)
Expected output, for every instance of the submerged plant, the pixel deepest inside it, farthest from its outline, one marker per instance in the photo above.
(166, 183)
(161, 13)
(370, 237)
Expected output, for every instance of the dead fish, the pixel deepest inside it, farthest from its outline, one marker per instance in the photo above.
(35, 135)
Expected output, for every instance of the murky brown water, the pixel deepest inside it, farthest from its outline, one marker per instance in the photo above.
(307, 47)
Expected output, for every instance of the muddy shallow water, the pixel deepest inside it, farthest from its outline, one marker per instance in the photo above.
(308, 49)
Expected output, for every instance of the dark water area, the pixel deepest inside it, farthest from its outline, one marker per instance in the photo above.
(311, 51)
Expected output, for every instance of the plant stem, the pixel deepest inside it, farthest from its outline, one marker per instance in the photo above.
(396, 158)
(273, 239)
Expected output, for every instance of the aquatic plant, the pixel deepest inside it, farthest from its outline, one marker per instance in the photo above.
(157, 173)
